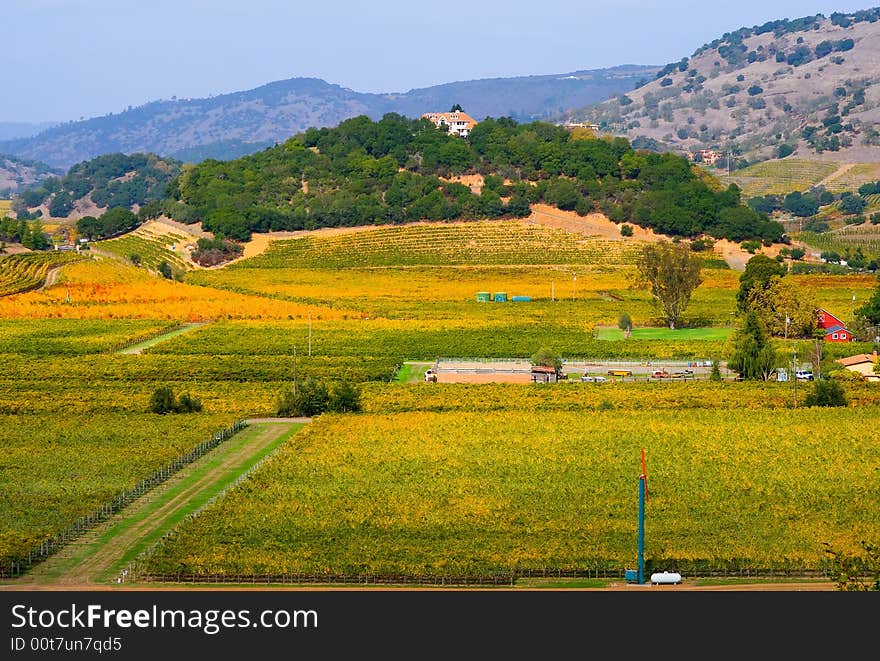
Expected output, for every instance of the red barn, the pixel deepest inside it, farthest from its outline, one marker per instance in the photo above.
(835, 329)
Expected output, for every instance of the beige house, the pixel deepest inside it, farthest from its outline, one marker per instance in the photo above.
(863, 364)
(459, 123)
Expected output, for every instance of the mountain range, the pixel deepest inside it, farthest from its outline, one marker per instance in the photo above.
(805, 87)
(231, 125)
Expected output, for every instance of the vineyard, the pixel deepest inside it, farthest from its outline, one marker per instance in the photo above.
(780, 177)
(5, 207)
(60, 467)
(23, 272)
(858, 174)
(476, 492)
(478, 243)
(152, 248)
(108, 289)
(845, 240)
(431, 479)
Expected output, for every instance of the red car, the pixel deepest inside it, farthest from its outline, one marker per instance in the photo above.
(660, 374)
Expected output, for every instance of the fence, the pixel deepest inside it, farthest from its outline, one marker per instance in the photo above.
(17, 566)
(132, 570)
(502, 578)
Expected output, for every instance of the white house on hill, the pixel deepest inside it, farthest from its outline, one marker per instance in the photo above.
(459, 123)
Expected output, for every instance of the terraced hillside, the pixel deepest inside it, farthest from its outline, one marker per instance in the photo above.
(22, 272)
(151, 244)
(476, 243)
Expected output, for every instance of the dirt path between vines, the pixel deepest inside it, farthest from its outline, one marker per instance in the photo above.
(51, 277)
(96, 558)
(140, 346)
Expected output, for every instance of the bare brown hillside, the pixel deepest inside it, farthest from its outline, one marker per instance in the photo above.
(810, 84)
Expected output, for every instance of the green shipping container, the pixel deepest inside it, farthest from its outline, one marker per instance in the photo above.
(483, 297)
(500, 296)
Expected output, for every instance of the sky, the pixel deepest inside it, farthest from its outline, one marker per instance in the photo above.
(70, 59)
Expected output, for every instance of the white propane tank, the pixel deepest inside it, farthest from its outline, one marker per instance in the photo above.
(666, 577)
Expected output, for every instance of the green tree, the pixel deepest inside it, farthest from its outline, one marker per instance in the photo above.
(165, 270)
(673, 272)
(870, 311)
(345, 397)
(456, 108)
(855, 573)
(624, 323)
(187, 404)
(715, 372)
(752, 355)
(162, 400)
(786, 308)
(759, 269)
(826, 392)
(547, 358)
(307, 398)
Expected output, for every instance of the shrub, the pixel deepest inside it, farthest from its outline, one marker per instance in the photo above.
(826, 393)
(188, 404)
(307, 399)
(626, 230)
(163, 401)
(345, 397)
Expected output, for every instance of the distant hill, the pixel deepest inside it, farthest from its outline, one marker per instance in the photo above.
(12, 130)
(16, 174)
(806, 87)
(91, 187)
(229, 125)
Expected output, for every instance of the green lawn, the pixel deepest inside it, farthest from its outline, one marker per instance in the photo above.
(610, 333)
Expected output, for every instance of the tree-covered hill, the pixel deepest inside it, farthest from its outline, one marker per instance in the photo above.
(806, 86)
(106, 182)
(399, 170)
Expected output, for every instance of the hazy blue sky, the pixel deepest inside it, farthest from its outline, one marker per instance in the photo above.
(63, 59)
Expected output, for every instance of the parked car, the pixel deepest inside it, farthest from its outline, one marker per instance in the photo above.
(590, 378)
(804, 375)
(682, 374)
(659, 374)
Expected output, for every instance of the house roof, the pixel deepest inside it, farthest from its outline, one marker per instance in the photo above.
(858, 359)
(836, 328)
(828, 314)
(451, 117)
(544, 369)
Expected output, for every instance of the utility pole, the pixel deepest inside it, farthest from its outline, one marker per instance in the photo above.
(310, 333)
(552, 290)
(794, 373)
(294, 369)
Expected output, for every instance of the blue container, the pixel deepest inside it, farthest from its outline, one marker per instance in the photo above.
(525, 299)
(632, 575)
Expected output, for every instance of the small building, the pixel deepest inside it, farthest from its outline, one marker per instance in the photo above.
(835, 329)
(544, 374)
(862, 363)
(458, 122)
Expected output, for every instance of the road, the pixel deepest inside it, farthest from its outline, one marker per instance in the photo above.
(98, 557)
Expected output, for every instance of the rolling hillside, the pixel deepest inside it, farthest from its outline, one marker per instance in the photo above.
(17, 174)
(229, 125)
(806, 87)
